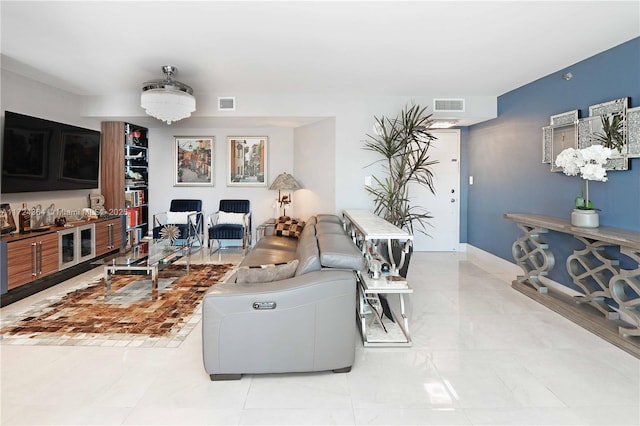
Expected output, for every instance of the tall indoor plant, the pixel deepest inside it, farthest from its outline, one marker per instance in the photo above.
(403, 143)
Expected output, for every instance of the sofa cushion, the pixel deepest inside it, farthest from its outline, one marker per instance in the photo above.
(312, 220)
(288, 228)
(266, 273)
(329, 218)
(329, 228)
(308, 254)
(338, 251)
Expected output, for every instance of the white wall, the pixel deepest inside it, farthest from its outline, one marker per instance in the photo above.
(314, 168)
(162, 178)
(29, 97)
(334, 171)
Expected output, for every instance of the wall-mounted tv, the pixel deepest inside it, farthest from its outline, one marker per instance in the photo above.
(42, 155)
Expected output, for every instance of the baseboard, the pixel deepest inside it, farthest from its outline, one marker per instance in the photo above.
(583, 315)
(503, 265)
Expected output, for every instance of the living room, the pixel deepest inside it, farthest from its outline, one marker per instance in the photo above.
(317, 137)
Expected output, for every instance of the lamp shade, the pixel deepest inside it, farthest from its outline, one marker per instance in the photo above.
(285, 181)
(168, 105)
(168, 100)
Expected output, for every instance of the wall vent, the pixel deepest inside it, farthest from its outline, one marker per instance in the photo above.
(448, 105)
(226, 104)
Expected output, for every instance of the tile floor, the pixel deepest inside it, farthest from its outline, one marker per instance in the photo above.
(483, 354)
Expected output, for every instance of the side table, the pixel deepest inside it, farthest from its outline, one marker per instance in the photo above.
(376, 328)
(265, 228)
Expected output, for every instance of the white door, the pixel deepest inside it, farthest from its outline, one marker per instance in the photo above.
(444, 206)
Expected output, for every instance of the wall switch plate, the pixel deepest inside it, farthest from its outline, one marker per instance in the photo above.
(470, 180)
(368, 181)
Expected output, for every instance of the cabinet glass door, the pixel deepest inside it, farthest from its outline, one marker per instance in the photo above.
(86, 244)
(67, 247)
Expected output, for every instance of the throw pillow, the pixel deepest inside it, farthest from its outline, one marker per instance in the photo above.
(289, 228)
(266, 273)
(179, 218)
(228, 218)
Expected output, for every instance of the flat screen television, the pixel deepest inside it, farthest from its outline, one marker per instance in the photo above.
(42, 155)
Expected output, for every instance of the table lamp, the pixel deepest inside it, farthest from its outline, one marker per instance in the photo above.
(284, 181)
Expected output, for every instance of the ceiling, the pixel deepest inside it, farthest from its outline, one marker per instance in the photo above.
(436, 48)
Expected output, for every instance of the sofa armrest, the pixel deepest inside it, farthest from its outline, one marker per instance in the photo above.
(305, 323)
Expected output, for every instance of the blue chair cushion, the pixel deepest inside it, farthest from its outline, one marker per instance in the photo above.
(226, 232)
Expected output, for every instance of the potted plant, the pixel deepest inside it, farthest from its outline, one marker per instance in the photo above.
(589, 163)
(403, 143)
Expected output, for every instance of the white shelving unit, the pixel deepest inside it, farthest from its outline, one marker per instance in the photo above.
(367, 230)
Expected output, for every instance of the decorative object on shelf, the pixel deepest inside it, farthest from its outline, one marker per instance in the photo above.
(589, 164)
(24, 219)
(7, 224)
(167, 99)
(286, 182)
(96, 202)
(247, 165)
(170, 232)
(193, 159)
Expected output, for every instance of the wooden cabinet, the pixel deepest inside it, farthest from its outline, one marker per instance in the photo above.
(26, 258)
(109, 235)
(124, 175)
(31, 258)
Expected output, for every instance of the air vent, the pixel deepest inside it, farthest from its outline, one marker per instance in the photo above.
(448, 105)
(226, 104)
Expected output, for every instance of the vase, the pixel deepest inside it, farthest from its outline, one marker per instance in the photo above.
(585, 218)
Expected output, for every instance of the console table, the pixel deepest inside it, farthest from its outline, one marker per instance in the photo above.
(595, 271)
(367, 231)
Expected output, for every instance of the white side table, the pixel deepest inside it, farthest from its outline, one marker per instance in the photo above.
(376, 328)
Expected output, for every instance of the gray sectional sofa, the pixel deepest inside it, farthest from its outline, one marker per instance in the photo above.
(302, 323)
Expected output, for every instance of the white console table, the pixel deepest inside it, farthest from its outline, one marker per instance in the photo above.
(368, 230)
(595, 270)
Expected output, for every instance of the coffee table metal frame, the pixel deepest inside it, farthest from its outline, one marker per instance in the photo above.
(160, 254)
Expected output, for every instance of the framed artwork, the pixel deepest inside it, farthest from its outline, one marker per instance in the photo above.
(569, 117)
(633, 132)
(7, 223)
(562, 137)
(193, 160)
(247, 160)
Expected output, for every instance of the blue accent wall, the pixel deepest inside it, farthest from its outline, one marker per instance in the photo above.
(505, 157)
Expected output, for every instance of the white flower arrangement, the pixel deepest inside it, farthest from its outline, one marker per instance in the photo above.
(589, 164)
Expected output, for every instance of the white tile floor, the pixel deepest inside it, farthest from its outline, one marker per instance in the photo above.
(483, 354)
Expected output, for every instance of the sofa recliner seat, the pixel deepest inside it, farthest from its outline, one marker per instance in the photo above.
(304, 323)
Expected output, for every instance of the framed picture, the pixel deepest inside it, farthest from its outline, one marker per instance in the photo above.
(193, 160)
(7, 223)
(247, 160)
(562, 137)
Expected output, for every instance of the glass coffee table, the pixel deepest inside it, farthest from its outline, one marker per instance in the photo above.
(149, 257)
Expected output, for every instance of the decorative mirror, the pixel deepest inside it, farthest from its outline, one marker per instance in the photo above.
(612, 124)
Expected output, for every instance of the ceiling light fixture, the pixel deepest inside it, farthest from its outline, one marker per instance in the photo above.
(443, 123)
(168, 100)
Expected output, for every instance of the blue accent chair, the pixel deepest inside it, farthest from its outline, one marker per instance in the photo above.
(238, 229)
(191, 227)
